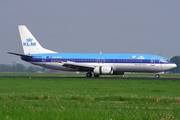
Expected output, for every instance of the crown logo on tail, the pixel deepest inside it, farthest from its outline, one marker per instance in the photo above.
(29, 40)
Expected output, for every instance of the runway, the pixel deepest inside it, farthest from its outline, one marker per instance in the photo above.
(118, 78)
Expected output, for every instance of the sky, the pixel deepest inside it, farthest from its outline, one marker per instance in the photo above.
(91, 26)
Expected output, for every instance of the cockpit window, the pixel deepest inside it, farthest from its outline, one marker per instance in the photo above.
(164, 60)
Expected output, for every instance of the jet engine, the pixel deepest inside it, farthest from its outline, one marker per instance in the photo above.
(103, 70)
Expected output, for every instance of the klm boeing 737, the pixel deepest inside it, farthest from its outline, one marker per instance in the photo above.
(96, 64)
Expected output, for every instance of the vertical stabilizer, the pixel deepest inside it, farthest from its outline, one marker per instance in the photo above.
(29, 43)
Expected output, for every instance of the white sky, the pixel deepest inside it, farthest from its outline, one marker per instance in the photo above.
(90, 26)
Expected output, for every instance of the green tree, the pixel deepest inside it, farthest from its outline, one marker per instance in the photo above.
(19, 68)
(176, 60)
(30, 69)
(6, 68)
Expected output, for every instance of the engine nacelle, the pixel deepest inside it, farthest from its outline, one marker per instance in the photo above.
(103, 70)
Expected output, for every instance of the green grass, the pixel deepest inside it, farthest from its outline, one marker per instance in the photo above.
(150, 75)
(73, 98)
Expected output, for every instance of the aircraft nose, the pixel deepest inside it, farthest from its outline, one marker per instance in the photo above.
(171, 66)
(174, 66)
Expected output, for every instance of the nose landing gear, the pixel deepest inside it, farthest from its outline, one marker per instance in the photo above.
(157, 76)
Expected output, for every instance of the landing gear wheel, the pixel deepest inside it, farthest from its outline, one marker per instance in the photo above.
(89, 74)
(157, 75)
(95, 75)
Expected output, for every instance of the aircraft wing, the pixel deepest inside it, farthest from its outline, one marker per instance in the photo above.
(22, 55)
(76, 66)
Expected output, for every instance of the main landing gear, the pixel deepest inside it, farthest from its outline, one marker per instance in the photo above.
(95, 75)
(89, 74)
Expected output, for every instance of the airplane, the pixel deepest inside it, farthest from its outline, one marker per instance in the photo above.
(92, 63)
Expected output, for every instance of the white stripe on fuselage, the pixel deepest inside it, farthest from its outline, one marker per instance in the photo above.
(117, 67)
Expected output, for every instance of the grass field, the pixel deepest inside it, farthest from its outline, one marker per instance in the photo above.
(84, 75)
(73, 98)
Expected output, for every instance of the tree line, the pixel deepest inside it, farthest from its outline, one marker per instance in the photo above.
(20, 68)
(176, 60)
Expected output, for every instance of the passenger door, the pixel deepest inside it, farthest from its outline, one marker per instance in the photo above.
(43, 60)
(152, 62)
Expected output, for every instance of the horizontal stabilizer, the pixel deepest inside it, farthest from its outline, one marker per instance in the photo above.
(22, 55)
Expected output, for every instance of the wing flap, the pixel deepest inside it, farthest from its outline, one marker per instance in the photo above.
(76, 66)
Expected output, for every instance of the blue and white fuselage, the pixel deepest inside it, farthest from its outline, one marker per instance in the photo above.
(98, 64)
(119, 62)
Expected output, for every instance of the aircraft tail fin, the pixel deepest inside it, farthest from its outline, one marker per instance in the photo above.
(29, 43)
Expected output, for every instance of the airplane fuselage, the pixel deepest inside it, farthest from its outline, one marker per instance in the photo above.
(119, 62)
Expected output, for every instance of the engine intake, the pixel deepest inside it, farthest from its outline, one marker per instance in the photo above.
(103, 70)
